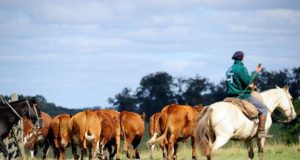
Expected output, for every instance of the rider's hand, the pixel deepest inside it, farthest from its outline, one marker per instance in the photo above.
(259, 68)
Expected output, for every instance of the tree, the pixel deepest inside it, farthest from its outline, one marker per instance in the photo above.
(155, 92)
(295, 83)
(196, 88)
(124, 101)
(271, 79)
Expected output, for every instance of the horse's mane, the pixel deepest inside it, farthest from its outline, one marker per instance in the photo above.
(269, 91)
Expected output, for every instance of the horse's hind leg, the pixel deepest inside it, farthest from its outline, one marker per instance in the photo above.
(249, 145)
(218, 143)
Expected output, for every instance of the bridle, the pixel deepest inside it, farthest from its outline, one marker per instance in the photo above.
(277, 118)
(30, 110)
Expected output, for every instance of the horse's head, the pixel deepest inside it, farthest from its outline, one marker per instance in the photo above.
(34, 112)
(285, 104)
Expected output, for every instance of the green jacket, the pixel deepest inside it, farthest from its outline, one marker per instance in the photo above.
(237, 80)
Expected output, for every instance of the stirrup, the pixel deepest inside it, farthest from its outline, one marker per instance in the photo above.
(264, 135)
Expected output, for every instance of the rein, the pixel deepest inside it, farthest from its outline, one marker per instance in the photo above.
(277, 118)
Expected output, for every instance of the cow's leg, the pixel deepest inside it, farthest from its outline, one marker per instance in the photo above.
(3, 149)
(46, 149)
(152, 151)
(175, 151)
(35, 149)
(127, 142)
(62, 154)
(94, 149)
(117, 146)
(74, 150)
(260, 144)
(171, 143)
(165, 151)
(249, 146)
(135, 144)
(101, 150)
(83, 153)
(194, 147)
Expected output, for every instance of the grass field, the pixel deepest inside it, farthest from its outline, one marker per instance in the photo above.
(274, 150)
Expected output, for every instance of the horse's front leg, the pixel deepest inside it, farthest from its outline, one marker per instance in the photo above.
(260, 145)
(249, 145)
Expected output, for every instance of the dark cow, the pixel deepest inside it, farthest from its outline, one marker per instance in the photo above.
(133, 129)
(177, 123)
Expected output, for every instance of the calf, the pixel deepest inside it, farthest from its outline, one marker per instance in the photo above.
(34, 137)
(133, 129)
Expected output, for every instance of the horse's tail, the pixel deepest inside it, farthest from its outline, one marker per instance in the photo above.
(203, 131)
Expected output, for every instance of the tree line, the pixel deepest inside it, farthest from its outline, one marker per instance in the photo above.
(159, 89)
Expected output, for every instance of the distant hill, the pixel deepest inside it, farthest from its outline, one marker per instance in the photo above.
(51, 108)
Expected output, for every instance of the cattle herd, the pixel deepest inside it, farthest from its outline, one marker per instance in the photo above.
(99, 132)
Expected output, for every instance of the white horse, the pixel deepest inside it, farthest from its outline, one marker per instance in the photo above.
(222, 121)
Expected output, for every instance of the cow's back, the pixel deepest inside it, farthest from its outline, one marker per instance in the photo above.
(132, 123)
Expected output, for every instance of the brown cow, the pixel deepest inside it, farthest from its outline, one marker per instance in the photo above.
(133, 129)
(34, 137)
(85, 130)
(154, 131)
(177, 122)
(110, 132)
(59, 136)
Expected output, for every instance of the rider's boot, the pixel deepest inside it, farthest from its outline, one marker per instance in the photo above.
(261, 131)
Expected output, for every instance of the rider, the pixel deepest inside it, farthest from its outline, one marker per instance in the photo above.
(238, 84)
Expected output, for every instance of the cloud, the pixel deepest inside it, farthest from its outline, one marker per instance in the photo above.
(93, 49)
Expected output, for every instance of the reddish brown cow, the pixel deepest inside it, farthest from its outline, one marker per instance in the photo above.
(85, 130)
(59, 135)
(110, 132)
(154, 131)
(133, 129)
(34, 137)
(177, 123)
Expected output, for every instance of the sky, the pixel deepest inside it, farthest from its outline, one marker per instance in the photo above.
(78, 53)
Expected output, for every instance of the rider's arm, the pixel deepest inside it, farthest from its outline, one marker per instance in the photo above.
(245, 77)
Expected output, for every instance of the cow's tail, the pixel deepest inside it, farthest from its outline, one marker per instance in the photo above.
(88, 136)
(203, 131)
(161, 139)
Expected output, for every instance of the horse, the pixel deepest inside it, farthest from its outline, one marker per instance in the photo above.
(223, 121)
(11, 113)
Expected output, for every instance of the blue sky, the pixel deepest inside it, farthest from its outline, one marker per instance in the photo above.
(79, 53)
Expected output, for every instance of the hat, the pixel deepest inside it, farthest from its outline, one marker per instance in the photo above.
(238, 55)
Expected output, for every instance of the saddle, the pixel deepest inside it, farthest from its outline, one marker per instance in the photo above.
(246, 107)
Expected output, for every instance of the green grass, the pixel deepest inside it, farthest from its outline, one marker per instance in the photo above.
(232, 150)
(275, 149)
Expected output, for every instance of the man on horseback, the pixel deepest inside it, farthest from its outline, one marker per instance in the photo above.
(239, 84)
